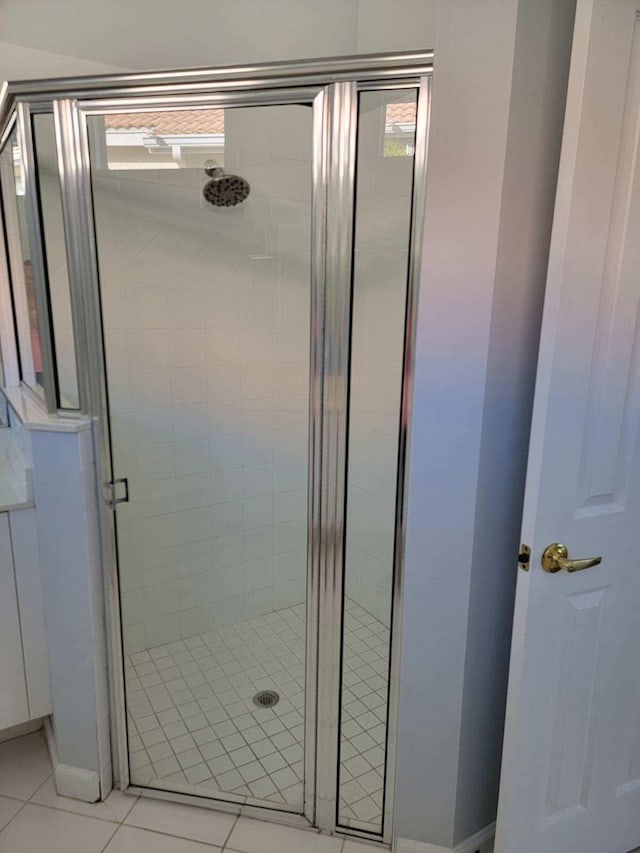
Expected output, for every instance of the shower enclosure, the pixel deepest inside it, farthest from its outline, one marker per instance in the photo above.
(235, 310)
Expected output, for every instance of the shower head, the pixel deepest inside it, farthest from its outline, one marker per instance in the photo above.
(224, 190)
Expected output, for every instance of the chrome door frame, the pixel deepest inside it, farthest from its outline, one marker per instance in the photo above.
(332, 86)
(78, 112)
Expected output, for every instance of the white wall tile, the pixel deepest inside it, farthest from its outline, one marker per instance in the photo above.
(258, 574)
(289, 566)
(207, 336)
(227, 518)
(258, 511)
(257, 480)
(290, 536)
(258, 543)
(191, 457)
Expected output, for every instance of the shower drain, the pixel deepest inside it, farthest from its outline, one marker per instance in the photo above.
(266, 698)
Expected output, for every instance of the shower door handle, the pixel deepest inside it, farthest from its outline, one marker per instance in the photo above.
(112, 486)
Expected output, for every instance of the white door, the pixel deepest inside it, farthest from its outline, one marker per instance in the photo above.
(571, 765)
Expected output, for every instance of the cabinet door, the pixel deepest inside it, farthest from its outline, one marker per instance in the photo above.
(13, 692)
(24, 542)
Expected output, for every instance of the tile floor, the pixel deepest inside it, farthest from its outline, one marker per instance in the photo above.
(364, 718)
(33, 819)
(193, 726)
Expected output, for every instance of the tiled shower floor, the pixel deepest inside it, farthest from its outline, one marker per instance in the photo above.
(193, 726)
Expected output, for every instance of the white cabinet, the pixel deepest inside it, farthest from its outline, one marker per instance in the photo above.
(14, 706)
(24, 671)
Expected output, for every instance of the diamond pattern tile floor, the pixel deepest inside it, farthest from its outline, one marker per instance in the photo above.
(193, 722)
(194, 728)
(364, 720)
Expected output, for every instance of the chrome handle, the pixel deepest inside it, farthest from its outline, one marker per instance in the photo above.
(112, 487)
(555, 558)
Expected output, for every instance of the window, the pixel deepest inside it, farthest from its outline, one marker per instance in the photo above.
(400, 127)
(170, 139)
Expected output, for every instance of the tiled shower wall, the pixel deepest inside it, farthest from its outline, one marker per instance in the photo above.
(206, 317)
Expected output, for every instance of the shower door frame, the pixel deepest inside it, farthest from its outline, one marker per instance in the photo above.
(332, 86)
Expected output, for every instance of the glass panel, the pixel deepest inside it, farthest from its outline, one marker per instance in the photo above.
(12, 177)
(206, 315)
(56, 259)
(383, 218)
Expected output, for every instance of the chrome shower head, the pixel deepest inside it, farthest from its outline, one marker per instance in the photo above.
(224, 190)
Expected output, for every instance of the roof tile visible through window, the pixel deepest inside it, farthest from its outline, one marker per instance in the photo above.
(171, 123)
(401, 113)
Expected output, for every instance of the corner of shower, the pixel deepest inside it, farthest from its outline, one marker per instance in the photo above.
(242, 275)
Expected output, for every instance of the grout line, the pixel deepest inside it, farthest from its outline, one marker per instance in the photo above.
(233, 826)
(116, 827)
(39, 787)
(16, 799)
(159, 832)
(134, 800)
(78, 814)
(24, 803)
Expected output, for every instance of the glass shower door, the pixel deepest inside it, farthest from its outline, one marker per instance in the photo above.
(206, 315)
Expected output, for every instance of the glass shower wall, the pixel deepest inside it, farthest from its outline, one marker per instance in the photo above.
(56, 259)
(206, 316)
(19, 250)
(384, 181)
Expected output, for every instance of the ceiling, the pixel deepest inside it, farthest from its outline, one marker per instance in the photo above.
(145, 34)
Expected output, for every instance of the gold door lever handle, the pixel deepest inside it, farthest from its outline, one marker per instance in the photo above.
(555, 558)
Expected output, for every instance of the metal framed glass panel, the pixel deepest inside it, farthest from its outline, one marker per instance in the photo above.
(50, 201)
(384, 179)
(8, 325)
(206, 310)
(339, 178)
(27, 261)
(19, 252)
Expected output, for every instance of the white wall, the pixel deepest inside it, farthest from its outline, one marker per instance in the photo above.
(499, 91)
(543, 44)
(466, 163)
(23, 63)
(147, 34)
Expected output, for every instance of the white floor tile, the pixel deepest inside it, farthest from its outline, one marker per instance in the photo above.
(130, 840)
(256, 836)
(37, 829)
(184, 821)
(358, 847)
(8, 809)
(115, 808)
(24, 765)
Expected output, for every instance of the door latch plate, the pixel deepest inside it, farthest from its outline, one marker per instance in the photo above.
(524, 558)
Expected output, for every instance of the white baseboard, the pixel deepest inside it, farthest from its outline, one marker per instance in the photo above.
(482, 841)
(20, 730)
(74, 782)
